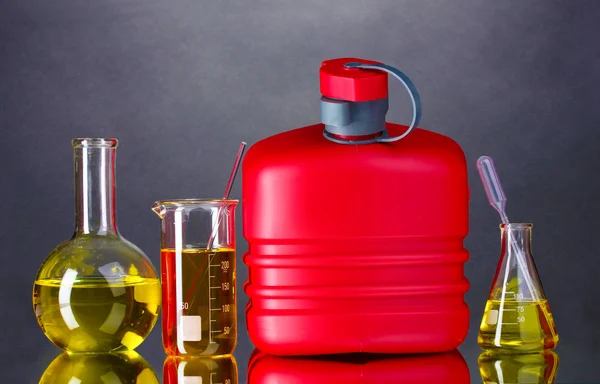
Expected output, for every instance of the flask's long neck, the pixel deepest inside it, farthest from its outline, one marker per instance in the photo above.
(95, 209)
(516, 236)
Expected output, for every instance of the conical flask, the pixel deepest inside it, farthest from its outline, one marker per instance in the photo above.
(517, 316)
(498, 368)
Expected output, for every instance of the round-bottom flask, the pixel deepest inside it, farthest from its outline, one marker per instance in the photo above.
(96, 292)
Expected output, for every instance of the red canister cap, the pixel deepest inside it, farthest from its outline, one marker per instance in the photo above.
(352, 84)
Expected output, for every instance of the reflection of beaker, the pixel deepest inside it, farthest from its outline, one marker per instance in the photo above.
(124, 367)
(499, 368)
(517, 316)
(449, 367)
(197, 370)
(198, 275)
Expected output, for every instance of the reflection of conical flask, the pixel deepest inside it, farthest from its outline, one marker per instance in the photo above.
(124, 367)
(517, 316)
(198, 370)
(449, 367)
(496, 368)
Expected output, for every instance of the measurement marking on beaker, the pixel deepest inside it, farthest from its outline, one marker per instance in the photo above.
(213, 298)
(219, 287)
(215, 309)
(210, 340)
(220, 330)
(509, 310)
(212, 320)
(505, 323)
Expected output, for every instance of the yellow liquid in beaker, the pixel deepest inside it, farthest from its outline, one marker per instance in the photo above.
(90, 314)
(524, 326)
(206, 302)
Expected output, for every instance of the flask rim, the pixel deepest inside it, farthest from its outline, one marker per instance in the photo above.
(516, 226)
(192, 201)
(95, 142)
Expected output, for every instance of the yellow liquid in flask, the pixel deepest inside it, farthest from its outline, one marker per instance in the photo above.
(91, 314)
(517, 326)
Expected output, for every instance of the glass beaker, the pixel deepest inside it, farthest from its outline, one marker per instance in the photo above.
(198, 275)
(517, 316)
(96, 292)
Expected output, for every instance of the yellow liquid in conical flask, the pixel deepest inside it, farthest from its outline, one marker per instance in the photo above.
(518, 326)
(92, 315)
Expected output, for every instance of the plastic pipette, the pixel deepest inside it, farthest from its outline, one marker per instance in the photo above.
(497, 199)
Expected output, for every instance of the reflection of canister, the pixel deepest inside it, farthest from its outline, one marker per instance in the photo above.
(198, 276)
(200, 370)
(447, 367)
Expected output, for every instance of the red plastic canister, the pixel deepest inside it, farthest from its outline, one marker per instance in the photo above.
(356, 238)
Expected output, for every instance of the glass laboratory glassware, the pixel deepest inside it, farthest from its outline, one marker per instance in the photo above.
(517, 316)
(96, 292)
(200, 369)
(92, 368)
(198, 276)
(500, 368)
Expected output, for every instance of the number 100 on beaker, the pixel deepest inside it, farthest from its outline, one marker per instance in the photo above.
(198, 276)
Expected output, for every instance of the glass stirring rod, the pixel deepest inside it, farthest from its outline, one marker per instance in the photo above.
(232, 175)
(497, 199)
(213, 233)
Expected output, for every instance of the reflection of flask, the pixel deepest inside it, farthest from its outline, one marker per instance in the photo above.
(198, 370)
(96, 292)
(528, 368)
(78, 368)
(517, 316)
(447, 367)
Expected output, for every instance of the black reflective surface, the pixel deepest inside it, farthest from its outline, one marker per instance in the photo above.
(574, 364)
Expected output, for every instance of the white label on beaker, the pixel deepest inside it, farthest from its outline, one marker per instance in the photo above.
(191, 328)
(491, 317)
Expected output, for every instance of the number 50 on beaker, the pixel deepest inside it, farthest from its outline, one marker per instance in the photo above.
(198, 276)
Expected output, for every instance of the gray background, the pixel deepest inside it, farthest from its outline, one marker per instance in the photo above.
(181, 83)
